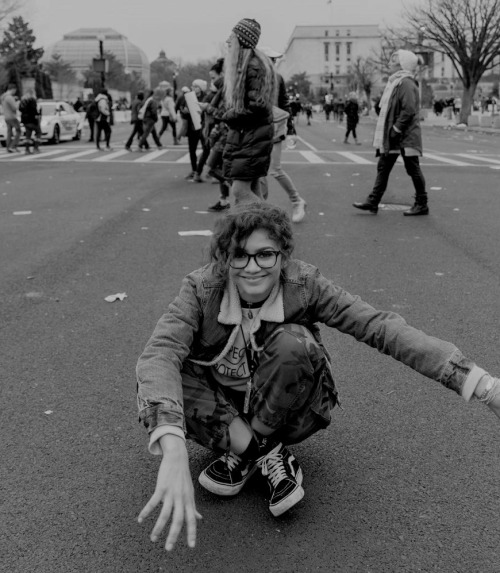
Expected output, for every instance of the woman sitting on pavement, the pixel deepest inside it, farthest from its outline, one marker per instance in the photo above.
(237, 365)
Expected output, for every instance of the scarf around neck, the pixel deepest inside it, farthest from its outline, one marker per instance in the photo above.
(392, 83)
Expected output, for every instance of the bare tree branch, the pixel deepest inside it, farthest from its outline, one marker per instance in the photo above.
(8, 7)
(467, 31)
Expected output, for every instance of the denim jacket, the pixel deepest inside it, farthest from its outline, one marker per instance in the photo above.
(191, 330)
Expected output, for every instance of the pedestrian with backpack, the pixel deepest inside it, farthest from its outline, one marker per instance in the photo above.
(135, 121)
(103, 121)
(30, 118)
(91, 115)
(149, 115)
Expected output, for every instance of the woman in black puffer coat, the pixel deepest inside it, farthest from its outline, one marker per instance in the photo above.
(250, 85)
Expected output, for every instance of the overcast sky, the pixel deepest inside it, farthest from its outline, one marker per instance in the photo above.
(195, 29)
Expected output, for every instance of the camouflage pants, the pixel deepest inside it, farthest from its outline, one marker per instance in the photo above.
(293, 392)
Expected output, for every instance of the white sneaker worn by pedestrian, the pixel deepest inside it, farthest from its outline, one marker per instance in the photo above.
(284, 476)
(298, 210)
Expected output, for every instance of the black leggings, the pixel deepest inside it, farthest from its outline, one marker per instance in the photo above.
(165, 122)
(194, 137)
(351, 130)
(103, 126)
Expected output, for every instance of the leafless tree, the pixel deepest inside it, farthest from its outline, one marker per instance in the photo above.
(467, 31)
(364, 73)
(8, 7)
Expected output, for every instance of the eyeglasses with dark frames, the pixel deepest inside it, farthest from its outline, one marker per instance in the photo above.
(263, 259)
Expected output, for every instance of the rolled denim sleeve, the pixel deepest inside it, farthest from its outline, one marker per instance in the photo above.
(389, 333)
(159, 384)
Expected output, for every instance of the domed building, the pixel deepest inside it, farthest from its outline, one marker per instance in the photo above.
(78, 48)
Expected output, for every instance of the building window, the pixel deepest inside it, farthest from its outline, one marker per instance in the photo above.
(348, 32)
(442, 72)
(337, 49)
(326, 32)
(337, 32)
(348, 47)
(327, 51)
(442, 57)
(337, 70)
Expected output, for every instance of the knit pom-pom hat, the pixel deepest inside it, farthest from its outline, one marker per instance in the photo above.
(407, 60)
(248, 32)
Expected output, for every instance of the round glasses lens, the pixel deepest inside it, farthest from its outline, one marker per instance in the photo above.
(239, 262)
(266, 259)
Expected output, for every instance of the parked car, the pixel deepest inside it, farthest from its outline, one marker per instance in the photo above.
(59, 121)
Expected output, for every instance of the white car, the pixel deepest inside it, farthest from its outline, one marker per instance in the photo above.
(59, 121)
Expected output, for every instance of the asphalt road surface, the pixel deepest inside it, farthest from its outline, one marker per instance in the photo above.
(406, 477)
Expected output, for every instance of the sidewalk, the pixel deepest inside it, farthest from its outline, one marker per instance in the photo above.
(481, 123)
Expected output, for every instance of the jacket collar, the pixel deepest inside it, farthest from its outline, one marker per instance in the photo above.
(230, 309)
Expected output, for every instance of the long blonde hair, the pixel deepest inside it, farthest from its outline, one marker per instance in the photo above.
(235, 74)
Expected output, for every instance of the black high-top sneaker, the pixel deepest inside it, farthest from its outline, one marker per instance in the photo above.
(228, 474)
(284, 476)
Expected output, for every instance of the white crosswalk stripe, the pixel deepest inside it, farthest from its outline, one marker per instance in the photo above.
(355, 158)
(38, 156)
(447, 160)
(479, 158)
(111, 156)
(146, 158)
(72, 156)
(312, 157)
(184, 159)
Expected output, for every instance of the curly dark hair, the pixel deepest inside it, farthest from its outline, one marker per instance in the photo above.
(232, 231)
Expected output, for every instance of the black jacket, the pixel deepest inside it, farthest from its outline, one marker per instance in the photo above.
(247, 154)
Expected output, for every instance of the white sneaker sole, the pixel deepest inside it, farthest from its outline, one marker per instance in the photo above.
(291, 500)
(223, 489)
(287, 503)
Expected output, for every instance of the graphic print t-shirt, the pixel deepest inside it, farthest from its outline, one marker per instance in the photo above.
(232, 370)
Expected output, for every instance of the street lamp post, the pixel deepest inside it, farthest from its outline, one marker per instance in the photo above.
(100, 37)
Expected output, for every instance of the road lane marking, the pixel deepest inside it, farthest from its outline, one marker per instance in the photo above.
(311, 147)
(485, 159)
(355, 158)
(446, 160)
(111, 156)
(38, 156)
(150, 156)
(74, 155)
(184, 159)
(312, 157)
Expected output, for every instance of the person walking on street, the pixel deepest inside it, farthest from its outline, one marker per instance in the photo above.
(276, 170)
(137, 129)
(150, 117)
(204, 97)
(30, 117)
(9, 106)
(168, 115)
(91, 115)
(250, 86)
(103, 120)
(237, 365)
(351, 111)
(193, 135)
(397, 133)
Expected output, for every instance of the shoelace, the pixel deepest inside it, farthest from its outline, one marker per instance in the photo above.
(272, 465)
(232, 460)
